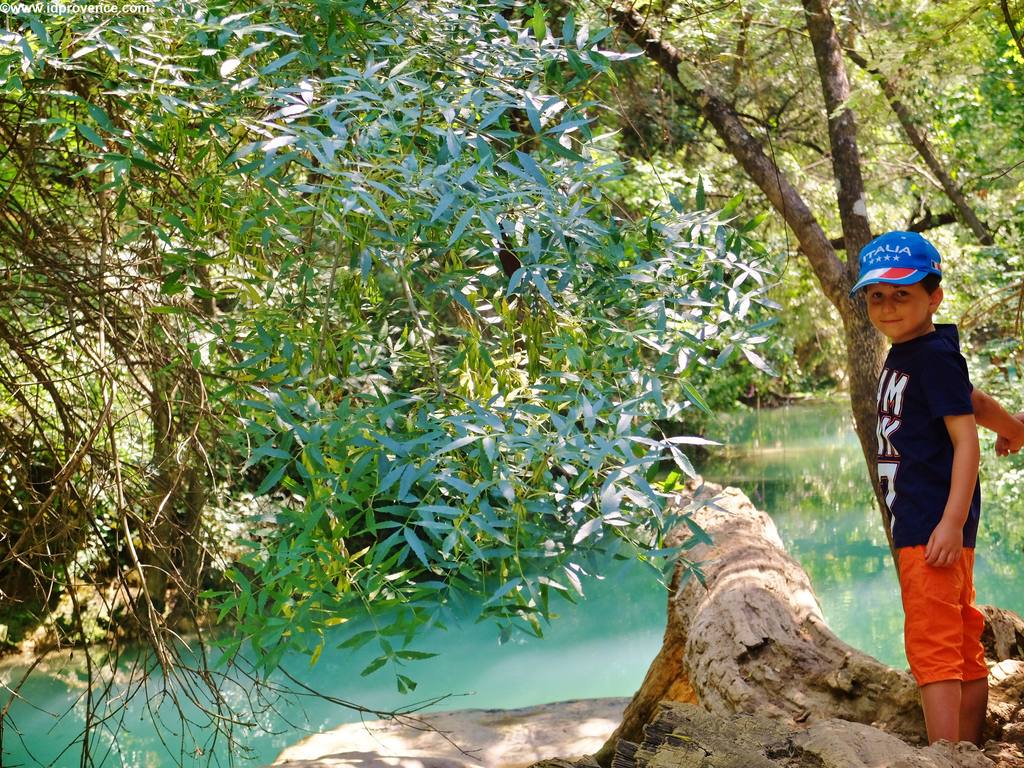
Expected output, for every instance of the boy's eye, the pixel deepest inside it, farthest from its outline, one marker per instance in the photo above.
(880, 296)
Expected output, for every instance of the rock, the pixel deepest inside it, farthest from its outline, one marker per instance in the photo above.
(1003, 637)
(491, 738)
(687, 736)
(1006, 701)
(842, 744)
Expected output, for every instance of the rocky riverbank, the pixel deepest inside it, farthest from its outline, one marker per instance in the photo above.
(469, 738)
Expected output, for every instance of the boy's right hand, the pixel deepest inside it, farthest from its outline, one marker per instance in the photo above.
(945, 544)
(1007, 444)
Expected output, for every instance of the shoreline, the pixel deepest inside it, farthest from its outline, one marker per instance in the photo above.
(464, 738)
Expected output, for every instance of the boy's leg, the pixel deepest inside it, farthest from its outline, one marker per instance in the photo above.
(934, 637)
(974, 691)
(941, 703)
(973, 706)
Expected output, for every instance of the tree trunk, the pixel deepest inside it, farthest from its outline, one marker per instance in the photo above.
(1004, 5)
(865, 353)
(842, 132)
(752, 640)
(865, 349)
(178, 492)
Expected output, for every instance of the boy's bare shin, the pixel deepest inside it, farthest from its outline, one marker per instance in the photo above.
(941, 704)
(973, 708)
(954, 710)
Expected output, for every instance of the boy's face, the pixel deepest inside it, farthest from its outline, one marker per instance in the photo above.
(902, 312)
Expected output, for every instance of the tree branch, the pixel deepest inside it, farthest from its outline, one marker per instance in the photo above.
(1005, 5)
(747, 150)
(920, 143)
(842, 130)
(927, 221)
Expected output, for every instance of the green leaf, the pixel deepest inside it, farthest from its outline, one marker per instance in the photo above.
(273, 478)
(542, 288)
(228, 66)
(442, 206)
(102, 118)
(700, 536)
(374, 665)
(531, 113)
(561, 151)
(359, 639)
(416, 545)
(538, 20)
(587, 529)
(405, 684)
(569, 27)
(460, 442)
(530, 166)
(90, 135)
(695, 397)
(461, 225)
(504, 589)
(414, 655)
(758, 362)
(279, 62)
(488, 120)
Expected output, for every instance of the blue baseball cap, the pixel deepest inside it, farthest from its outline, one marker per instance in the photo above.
(900, 258)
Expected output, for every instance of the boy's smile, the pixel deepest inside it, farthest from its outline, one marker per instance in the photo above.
(902, 312)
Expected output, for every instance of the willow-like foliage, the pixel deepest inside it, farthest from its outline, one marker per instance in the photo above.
(356, 258)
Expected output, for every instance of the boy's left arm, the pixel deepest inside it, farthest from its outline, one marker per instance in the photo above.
(990, 414)
(947, 540)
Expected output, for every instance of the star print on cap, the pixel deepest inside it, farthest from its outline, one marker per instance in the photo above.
(897, 257)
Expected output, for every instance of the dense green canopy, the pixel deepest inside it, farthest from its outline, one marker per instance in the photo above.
(317, 311)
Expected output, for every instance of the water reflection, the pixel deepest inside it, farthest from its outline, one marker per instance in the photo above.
(617, 631)
(801, 464)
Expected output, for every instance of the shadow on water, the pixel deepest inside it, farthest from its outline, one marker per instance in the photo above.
(802, 464)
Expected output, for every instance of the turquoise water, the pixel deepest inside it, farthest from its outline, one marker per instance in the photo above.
(599, 648)
(802, 464)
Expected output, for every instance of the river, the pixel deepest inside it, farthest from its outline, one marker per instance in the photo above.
(802, 464)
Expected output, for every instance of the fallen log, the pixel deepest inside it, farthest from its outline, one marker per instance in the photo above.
(752, 639)
(686, 736)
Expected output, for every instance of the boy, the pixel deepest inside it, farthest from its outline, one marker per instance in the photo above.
(928, 470)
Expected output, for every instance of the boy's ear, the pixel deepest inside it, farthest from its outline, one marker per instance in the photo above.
(935, 299)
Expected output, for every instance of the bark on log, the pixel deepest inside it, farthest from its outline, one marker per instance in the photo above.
(752, 640)
(685, 736)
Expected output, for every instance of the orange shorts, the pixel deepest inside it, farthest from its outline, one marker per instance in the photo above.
(942, 629)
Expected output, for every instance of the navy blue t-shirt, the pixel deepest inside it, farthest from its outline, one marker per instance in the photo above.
(923, 380)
